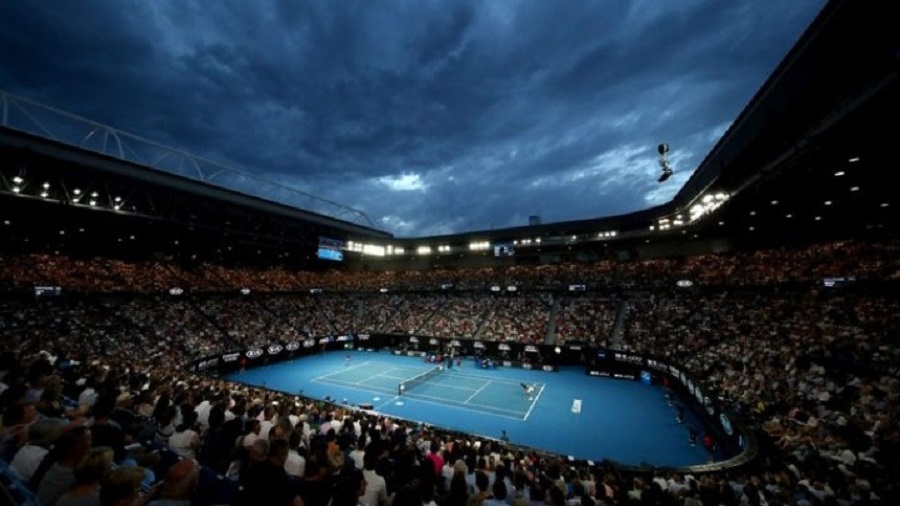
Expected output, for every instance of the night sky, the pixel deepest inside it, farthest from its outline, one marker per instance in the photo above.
(432, 117)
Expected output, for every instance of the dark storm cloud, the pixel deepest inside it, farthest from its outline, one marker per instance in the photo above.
(431, 116)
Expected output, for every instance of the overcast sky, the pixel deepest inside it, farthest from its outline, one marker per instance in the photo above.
(432, 117)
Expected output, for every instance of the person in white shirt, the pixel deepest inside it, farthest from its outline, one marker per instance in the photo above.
(41, 436)
(202, 411)
(376, 488)
(88, 397)
(267, 420)
(186, 440)
(358, 453)
(253, 434)
(295, 465)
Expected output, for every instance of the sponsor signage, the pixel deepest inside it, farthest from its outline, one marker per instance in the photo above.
(292, 346)
(479, 344)
(309, 343)
(709, 405)
(659, 366)
(230, 357)
(628, 358)
(364, 337)
(254, 353)
(503, 347)
(414, 339)
(344, 338)
(726, 424)
(275, 349)
(433, 341)
(206, 364)
(616, 375)
(531, 348)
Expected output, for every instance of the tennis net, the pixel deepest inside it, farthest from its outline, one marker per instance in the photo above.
(415, 381)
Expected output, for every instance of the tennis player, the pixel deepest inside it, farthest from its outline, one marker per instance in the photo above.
(527, 389)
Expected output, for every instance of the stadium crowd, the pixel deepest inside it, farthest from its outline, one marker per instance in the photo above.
(863, 259)
(99, 408)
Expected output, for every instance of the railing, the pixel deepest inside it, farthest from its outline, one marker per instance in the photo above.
(17, 113)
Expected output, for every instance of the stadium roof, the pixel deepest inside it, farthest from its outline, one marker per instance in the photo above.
(808, 159)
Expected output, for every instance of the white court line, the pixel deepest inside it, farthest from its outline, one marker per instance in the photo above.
(444, 402)
(440, 401)
(376, 408)
(384, 374)
(533, 404)
(477, 392)
(484, 378)
(342, 370)
(452, 387)
(379, 375)
(361, 386)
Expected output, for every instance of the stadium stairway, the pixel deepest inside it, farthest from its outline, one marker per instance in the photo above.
(550, 335)
(616, 340)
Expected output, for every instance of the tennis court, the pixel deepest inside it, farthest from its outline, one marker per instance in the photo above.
(569, 413)
(489, 395)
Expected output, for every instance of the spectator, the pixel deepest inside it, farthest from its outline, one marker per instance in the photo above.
(86, 478)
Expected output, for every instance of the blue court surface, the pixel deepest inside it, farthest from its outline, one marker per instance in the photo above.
(567, 412)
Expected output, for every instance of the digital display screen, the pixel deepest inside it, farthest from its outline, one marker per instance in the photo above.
(47, 291)
(504, 249)
(330, 249)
